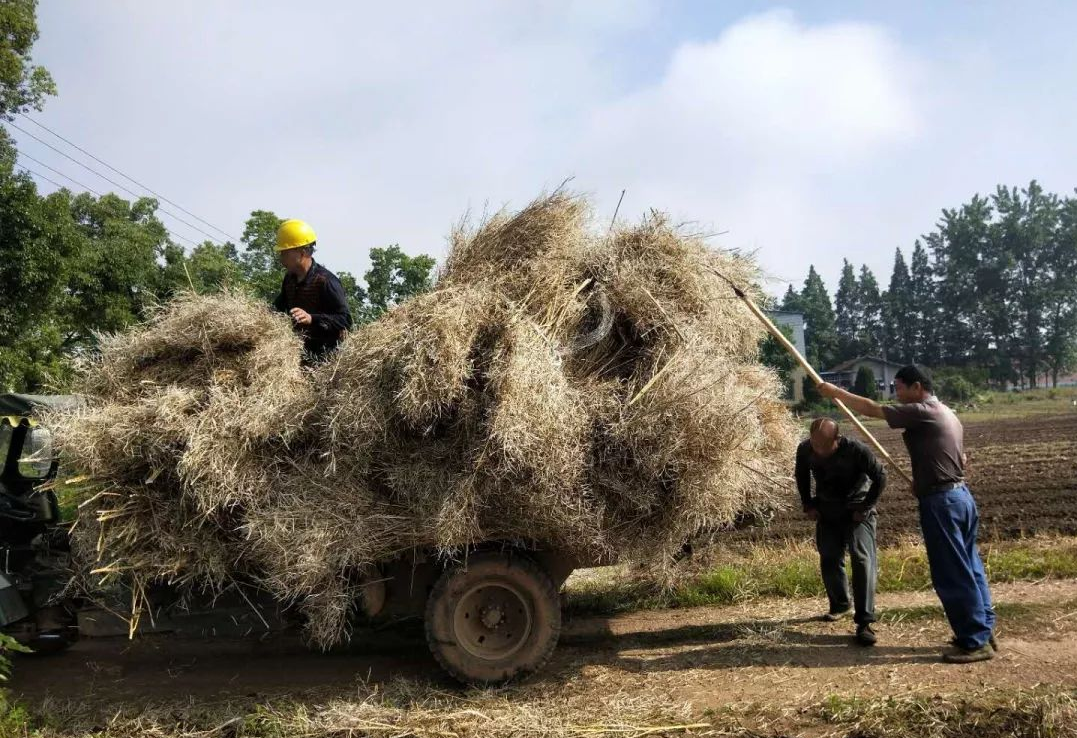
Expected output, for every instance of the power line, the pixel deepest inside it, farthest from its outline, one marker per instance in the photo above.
(113, 182)
(52, 181)
(57, 171)
(129, 177)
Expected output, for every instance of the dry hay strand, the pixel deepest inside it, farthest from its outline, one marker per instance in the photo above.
(134, 532)
(414, 364)
(662, 278)
(194, 341)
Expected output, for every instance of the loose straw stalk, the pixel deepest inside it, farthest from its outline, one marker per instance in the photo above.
(780, 337)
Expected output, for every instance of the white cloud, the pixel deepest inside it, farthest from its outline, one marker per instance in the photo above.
(743, 132)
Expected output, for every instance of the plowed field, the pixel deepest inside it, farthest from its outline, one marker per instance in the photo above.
(1022, 472)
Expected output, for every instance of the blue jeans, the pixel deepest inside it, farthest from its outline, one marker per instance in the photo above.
(949, 521)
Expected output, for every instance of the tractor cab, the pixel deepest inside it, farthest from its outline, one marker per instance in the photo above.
(34, 548)
(28, 461)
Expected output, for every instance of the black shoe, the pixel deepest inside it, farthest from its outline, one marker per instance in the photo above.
(959, 655)
(865, 636)
(833, 617)
(990, 642)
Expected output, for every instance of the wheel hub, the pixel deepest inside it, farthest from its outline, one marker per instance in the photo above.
(492, 617)
(493, 620)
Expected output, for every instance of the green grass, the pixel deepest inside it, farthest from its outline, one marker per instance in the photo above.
(793, 571)
(994, 713)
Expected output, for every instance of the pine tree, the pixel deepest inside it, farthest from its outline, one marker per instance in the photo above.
(898, 318)
(819, 335)
(871, 334)
(791, 301)
(848, 313)
(924, 309)
(864, 384)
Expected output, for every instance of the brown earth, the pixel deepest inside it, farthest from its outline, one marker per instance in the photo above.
(768, 654)
(1022, 472)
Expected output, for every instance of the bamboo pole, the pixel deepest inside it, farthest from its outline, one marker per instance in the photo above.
(788, 345)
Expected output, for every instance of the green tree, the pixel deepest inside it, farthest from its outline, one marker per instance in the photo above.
(259, 265)
(864, 384)
(115, 276)
(899, 313)
(1061, 295)
(393, 277)
(791, 302)
(38, 241)
(925, 309)
(23, 85)
(820, 337)
(357, 301)
(871, 333)
(848, 313)
(774, 355)
(1026, 232)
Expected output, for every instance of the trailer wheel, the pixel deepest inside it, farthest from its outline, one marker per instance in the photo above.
(493, 618)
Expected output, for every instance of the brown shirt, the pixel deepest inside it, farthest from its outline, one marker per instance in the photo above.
(935, 439)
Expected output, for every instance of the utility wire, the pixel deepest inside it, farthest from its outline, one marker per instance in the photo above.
(50, 180)
(129, 177)
(57, 171)
(113, 182)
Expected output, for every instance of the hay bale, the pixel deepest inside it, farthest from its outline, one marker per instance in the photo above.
(476, 412)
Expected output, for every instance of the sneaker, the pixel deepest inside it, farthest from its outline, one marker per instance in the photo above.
(958, 655)
(833, 617)
(865, 636)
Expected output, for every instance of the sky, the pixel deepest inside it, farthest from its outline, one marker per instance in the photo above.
(805, 133)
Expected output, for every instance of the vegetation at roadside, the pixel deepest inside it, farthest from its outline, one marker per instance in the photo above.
(996, 713)
(793, 571)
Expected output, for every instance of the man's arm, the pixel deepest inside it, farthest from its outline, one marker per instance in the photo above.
(856, 403)
(337, 316)
(803, 477)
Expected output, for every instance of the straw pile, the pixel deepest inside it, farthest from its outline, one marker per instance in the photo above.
(594, 392)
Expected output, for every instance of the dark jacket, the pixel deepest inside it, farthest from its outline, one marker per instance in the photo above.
(842, 479)
(320, 294)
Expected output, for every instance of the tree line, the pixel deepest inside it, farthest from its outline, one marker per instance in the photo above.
(991, 291)
(73, 266)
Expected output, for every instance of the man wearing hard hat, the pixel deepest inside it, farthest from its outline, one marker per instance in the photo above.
(310, 294)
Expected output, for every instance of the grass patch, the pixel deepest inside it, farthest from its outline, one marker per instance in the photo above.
(792, 570)
(1039, 713)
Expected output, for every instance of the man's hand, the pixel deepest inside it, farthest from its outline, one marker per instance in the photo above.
(811, 513)
(300, 316)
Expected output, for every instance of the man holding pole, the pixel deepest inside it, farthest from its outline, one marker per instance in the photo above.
(848, 482)
(949, 520)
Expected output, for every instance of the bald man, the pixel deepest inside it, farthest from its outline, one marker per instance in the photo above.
(848, 483)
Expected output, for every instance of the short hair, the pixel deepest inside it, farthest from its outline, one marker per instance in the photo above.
(819, 423)
(913, 373)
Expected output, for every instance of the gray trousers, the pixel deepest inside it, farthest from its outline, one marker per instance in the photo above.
(835, 533)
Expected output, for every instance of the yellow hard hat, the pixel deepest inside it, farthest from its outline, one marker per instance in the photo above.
(294, 234)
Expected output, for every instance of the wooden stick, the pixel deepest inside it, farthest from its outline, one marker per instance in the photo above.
(788, 345)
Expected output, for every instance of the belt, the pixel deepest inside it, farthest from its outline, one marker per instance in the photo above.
(939, 489)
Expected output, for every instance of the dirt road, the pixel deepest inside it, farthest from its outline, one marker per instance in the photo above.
(756, 653)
